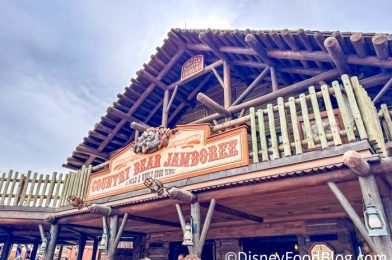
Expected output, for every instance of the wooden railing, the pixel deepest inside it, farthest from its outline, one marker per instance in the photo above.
(385, 116)
(40, 190)
(329, 116)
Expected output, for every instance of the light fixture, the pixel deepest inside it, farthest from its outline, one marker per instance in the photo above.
(155, 186)
(188, 232)
(103, 244)
(375, 222)
(43, 245)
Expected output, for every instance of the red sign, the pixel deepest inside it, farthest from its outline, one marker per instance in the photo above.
(190, 152)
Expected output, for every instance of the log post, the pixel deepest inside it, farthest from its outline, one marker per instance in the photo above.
(371, 196)
(33, 254)
(82, 244)
(335, 51)
(6, 248)
(199, 234)
(95, 249)
(227, 85)
(115, 234)
(60, 252)
(54, 232)
(164, 108)
(274, 79)
(352, 214)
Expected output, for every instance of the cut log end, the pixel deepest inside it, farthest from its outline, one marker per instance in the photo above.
(379, 39)
(356, 163)
(356, 37)
(330, 42)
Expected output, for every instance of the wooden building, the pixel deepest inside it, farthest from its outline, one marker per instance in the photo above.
(253, 143)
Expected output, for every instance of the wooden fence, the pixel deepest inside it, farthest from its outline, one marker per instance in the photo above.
(40, 190)
(328, 116)
(385, 116)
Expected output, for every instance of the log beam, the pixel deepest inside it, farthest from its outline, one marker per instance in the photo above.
(226, 85)
(384, 89)
(206, 38)
(359, 45)
(274, 79)
(165, 115)
(352, 214)
(234, 212)
(249, 89)
(335, 51)
(256, 46)
(208, 102)
(139, 127)
(272, 96)
(356, 163)
(380, 44)
(54, 232)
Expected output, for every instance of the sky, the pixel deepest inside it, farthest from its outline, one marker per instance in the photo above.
(62, 63)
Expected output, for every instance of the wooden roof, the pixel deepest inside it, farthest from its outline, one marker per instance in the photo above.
(296, 55)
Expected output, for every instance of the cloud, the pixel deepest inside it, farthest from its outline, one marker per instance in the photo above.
(62, 63)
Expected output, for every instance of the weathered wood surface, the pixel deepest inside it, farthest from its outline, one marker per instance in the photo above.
(42, 190)
(341, 113)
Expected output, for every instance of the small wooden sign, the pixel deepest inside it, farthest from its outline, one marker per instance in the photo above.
(321, 251)
(192, 66)
(192, 151)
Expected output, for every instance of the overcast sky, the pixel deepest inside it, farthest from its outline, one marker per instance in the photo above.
(62, 63)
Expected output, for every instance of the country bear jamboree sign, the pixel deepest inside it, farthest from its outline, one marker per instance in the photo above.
(192, 151)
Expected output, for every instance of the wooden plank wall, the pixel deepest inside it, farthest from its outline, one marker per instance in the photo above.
(330, 116)
(41, 190)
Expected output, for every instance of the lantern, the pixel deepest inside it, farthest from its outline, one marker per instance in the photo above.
(375, 222)
(155, 186)
(188, 232)
(103, 244)
(43, 245)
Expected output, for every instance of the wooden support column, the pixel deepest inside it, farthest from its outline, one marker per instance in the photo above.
(274, 79)
(6, 248)
(352, 214)
(60, 252)
(371, 196)
(335, 51)
(34, 251)
(95, 249)
(54, 232)
(82, 244)
(199, 234)
(227, 84)
(115, 234)
(164, 108)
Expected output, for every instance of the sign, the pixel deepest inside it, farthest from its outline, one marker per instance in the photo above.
(192, 66)
(321, 251)
(192, 151)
